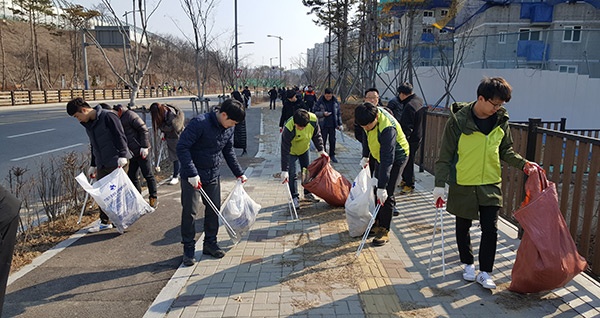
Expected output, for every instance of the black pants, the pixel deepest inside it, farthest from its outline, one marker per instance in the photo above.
(384, 216)
(408, 175)
(272, 103)
(328, 133)
(488, 219)
(143, 165)
(9, 221)
(190, 201)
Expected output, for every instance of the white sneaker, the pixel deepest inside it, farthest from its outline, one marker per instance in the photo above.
(469, 273)
(296, 203)
(100, 227)
(485, 280)
(174, 181)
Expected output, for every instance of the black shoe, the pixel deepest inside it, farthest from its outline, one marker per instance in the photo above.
(188, 254)
(333, 159)
(244, 153)
(213, 250)
(396, 212)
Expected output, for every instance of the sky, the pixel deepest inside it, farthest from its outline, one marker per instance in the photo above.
(256, 20)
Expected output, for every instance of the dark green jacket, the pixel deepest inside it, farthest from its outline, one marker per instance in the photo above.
(464, 201)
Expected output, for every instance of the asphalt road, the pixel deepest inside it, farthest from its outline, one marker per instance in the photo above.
(107, 274)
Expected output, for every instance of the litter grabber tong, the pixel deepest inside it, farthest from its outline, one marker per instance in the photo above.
(230, 230)
(440, 206)
(369, 226)
(291, 207)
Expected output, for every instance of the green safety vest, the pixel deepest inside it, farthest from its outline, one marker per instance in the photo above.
(479, 158)
(385, 120)
(301, 141)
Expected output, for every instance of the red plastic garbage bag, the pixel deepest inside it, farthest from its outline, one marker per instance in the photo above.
(326, 182)
(547, 257)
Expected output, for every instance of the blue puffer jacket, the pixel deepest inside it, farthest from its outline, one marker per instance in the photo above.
(107, 138)
(200, 146)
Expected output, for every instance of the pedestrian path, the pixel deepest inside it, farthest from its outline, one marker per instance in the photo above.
(307, 267)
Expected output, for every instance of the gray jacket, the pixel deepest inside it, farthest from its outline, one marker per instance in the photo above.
(136, 131)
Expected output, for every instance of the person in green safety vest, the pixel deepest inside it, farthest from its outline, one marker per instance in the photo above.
(385, 142)
(297, 133)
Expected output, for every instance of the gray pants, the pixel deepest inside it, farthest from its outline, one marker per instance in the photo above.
(190, 202)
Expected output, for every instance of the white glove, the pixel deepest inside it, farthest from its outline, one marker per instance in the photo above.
(144, 152)
(382, 195)
(243, 178)
(285, 176)
(438, 193)
(195, 182)
(92, 172)
(122, 162)
(364, 162)
(322, 153)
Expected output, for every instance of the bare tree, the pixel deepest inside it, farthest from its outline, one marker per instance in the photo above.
(452, 54)
(199, 12)
(32, 11)
(138, 54)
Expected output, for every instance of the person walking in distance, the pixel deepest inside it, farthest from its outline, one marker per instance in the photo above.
(273, 97)
(411, 121)
(138, 142)
(475, 139)
(108, 144)
(169, 120)
(385, 142)
(327, 110)
(239, 132)
(204, 140)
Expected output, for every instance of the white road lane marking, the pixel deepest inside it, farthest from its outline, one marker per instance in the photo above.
(31, 133)
(46, 152)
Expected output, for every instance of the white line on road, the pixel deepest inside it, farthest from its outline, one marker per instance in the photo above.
(31, 133)
(46, 152)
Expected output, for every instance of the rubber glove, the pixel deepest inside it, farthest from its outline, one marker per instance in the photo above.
(364, 162)
(530, 167)
(322, 153)
(92, 172)
(382, 195)
(144, 152)
(438, 193)
(195, 182)
(122, 162)
(243, 178)
(285, 176)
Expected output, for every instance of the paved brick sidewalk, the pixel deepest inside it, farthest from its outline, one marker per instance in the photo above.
(307, 268)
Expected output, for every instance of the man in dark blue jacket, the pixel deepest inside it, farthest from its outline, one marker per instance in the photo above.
(291, 104)
(205, 138)
(108, 143)
(328, 111)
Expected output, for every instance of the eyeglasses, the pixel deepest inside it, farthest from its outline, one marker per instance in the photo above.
(496, 106)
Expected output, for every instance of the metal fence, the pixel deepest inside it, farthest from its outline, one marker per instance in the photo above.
(567, 159)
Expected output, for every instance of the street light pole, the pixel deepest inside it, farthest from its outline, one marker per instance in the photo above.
(280, 39)
(236, 42)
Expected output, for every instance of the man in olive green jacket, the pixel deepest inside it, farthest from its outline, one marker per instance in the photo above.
(475, 139)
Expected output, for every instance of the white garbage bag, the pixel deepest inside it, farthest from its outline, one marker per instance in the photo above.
(359, 203)
(240, 211)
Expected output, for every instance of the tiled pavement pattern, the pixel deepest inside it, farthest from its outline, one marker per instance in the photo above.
(307, 267)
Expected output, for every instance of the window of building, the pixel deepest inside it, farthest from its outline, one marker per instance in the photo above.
(529, 35)
(427, 30)
(572, 33)
(502, 37)
(427, 13)
(444, 13)
(567, 69)
(443, 31)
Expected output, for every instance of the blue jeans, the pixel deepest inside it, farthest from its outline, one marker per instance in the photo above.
(190, 202)
(304, 161)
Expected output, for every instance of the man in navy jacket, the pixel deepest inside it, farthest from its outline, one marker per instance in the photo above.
(205, 138)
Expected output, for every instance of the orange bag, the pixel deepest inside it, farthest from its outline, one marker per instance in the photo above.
(326, 182)
(547, 257)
